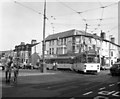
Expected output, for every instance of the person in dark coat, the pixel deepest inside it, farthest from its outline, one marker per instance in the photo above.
(15, 70)
(8, 70)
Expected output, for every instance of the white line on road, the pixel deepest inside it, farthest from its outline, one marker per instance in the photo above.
(111, 85)
(102, 88)
(116, 94)
(118, 82)
(105, 92)
(87, 93)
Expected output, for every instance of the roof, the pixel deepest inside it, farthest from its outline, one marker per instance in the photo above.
(60, 35)
(73, 32)
(30, 45)
(70, 33)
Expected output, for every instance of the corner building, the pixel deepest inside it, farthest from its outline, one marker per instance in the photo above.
(76, 41)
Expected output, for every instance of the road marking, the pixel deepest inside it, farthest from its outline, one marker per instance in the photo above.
(111, 85)
(106, 92)
(100, 97)
(116, 94)
(102, 88)
(87, 93)
(118, 82)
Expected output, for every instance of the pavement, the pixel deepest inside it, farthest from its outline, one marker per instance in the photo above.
(23, 72)
(37, 77)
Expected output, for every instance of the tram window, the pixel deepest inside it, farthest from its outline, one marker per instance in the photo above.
(90, 60)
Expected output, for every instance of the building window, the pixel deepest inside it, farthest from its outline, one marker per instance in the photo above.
(65, 50)
(89, 48)
(50, 51)
(64, 41)
(73, 48)
(50, 43)
(89, 39)
(94, 47)
(111, 62)
(57, 51)
(53, 42)
(61, 41)
(77, 40)
(57, 42)
(111, 53)
(73, 40)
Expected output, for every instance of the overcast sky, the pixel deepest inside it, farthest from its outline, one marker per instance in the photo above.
(22, 21)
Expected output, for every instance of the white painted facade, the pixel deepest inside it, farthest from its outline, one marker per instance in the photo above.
(74, 44)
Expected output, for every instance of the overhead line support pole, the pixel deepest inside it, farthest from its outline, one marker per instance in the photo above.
(43, 53)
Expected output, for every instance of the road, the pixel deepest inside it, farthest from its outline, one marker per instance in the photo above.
(64, 84)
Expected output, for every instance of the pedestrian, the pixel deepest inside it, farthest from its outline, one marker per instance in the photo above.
(53, 65)
(56, 65)
(15, 70)
(8, 69)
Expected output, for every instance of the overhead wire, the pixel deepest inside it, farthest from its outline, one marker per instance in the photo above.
(36, 12)
(80, 12)
(112, 29)
(28, 7)
(73, 10)
(108, 18)
(103, 8)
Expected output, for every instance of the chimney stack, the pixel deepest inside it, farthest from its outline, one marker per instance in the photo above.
(112, 39)
(103, 35)
(33, 42)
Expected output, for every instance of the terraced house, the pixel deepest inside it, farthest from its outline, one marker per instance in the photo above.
(76, 41)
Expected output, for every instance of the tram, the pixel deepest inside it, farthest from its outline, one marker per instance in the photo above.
(84, 62)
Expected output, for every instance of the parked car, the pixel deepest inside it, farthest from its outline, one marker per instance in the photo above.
(28, 66)
(115, 69)
(35, 67)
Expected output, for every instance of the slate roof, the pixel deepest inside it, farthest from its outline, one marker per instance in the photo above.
(73, 32)
(60, 35)
(70, 33)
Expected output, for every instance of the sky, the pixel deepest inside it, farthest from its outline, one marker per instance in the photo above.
(22, 20)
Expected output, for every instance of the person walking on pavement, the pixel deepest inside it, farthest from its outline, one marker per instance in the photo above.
(15, 70)
(8, 69)
(56, 65)
(53, 65)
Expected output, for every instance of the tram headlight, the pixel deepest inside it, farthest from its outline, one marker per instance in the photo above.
(97, 66)
(84, 66)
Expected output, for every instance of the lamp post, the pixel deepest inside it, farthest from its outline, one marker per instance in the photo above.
(86, 25)
(43, 47)
(109, 48)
